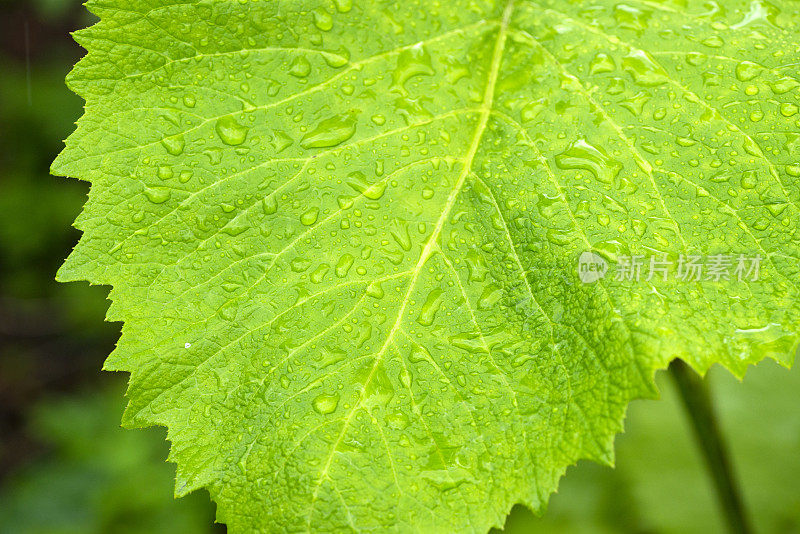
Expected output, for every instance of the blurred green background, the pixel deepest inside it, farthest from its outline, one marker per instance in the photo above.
(67, 467)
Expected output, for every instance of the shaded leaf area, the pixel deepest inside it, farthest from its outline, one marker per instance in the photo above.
(343, 236)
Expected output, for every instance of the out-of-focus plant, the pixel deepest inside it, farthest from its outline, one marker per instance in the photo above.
(659, 485)
(97, 478)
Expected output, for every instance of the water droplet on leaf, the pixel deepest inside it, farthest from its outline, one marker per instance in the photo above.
(174, 144)
(231, 132)
(323, 19)
(157, 195)
(326, 404)
(300, 67)
(331, 132)
(431, 306)
(310, 217)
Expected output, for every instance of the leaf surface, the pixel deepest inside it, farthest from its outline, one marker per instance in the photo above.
(343, 236)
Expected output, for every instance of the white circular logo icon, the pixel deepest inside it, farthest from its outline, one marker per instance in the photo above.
(591, 267)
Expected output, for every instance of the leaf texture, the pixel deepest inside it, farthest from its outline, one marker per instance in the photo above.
(343, 235)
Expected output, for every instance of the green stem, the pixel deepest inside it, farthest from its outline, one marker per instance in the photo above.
(700, 410)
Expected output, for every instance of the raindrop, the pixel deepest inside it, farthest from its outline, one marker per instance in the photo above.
(602, 63)
(419, 354)
(344, 265)
(269, 205)
(397, 421)
(331, 131)
(300, 67)
(490, 296)
(174, 145)
(696, 58)
(280, 141)
(157, 195)
(746, 71)
(300, 265)
(476, 265)
(793, 170)
(334, 60)
(319, 273)
(431, 306)
(231, 132)
(326, 404)
(631, 18)
(165, 172)
(343, 6)
(358, 182)
(749, 180)
(323, 19)
(715, 41)
(582, 155)
(643, 69)
(470, 342)
(310, 217)
(414, 61)
(784, 85)
(788, 109)
(375, 290)
(400, 234)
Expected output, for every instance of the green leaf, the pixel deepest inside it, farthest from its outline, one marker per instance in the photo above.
(343, 236)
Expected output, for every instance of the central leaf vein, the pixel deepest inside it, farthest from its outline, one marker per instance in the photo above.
(431, 244)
